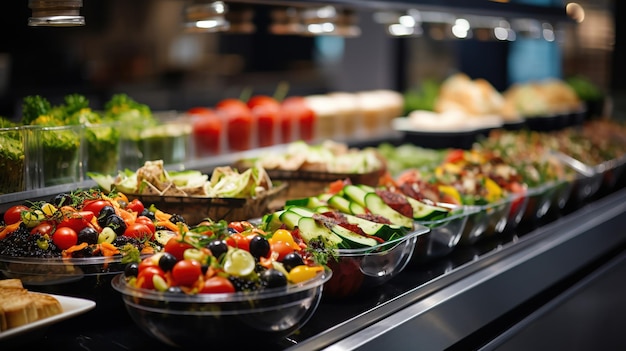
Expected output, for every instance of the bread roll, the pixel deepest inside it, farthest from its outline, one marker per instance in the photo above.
(18, 306)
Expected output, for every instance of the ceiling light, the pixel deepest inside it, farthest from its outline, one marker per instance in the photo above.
(55, 13)
(203, 17)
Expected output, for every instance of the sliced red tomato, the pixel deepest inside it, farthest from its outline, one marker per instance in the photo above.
(65, 237)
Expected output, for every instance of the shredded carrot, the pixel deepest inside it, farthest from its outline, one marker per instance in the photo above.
(147, 250)
(161, 216)
(9, 229)
(68, 252)
(128, 217)
(171, 226)
(109, 249)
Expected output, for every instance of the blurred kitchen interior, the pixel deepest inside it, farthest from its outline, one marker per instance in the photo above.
(139, 47)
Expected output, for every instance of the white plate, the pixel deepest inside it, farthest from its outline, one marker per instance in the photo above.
(72, 306)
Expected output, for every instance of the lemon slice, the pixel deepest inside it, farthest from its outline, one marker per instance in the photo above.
(239, 262)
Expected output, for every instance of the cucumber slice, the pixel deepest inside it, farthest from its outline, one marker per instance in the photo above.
(301, 211)
(339, 203)
(375, 204)
(426, 212)
(355, 193)
(290, 219)
(311, 230)
(367, 188)
(310, 202)
(357, 209)
(271, 221)
(352, 239)
(381, 230)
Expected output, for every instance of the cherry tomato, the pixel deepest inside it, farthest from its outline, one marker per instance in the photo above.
(135, 206)
(76, 220)
(240, 226)
(216, 285)
(64, 237)
(455, 155)
(151, 261)
(95, 205)
(176, 247)
(282, 248)
(147, 221)
(186, 272)
(14, 214)
(139, 231)
(43, 228)
(145, 278)
(239, 241)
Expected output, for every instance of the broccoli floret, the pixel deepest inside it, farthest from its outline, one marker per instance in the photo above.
(75, 103)
(6, 123)
(122, 103)
(34, 106)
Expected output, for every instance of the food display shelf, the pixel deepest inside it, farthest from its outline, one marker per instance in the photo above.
(447, 302)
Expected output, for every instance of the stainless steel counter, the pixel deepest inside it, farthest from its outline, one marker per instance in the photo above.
(461, 301)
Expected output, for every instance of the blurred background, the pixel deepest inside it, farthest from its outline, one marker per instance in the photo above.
(142, 48)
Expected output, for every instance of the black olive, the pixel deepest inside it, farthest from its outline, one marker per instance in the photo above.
(259, 246)
(176, 218)
(292, 260)
(88, 235)
(116, 223)
(232, 230)
(146, 212)
(104, 215)
(131, 269)
(217, 247)
(62, 199)
(273, 278)
(167, 261)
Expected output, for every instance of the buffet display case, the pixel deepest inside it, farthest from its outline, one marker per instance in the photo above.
(462, 297)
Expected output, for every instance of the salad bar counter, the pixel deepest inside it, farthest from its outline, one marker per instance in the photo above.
(463, 300)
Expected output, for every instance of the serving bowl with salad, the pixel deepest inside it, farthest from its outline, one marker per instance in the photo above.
(219, 281)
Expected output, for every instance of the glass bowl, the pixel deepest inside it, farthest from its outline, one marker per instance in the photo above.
(225, 319)
(486, 220)
(88, 278)
(444, 235)
(357, 269)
